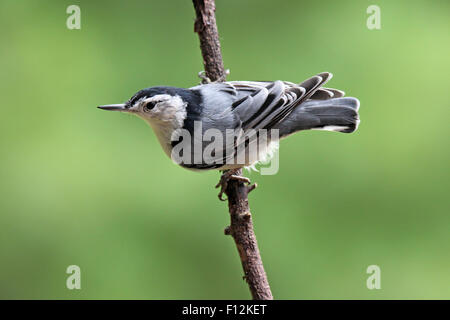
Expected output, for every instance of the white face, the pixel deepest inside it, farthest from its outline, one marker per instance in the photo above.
(160, 108)
(164, 113)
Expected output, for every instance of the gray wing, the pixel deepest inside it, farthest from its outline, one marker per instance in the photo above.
(262, 105)
(257, 105)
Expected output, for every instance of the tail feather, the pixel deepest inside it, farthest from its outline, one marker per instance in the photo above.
(336, 114)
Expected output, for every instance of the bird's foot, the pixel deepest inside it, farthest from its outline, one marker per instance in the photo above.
(231, 175)
(205, 79)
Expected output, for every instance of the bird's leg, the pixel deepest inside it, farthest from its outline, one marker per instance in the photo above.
(226, 176)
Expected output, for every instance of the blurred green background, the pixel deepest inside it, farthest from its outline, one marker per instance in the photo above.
(86, 187)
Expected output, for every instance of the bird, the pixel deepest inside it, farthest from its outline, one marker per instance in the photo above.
(238, 115)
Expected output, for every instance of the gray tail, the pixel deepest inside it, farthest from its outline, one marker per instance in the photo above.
(337, 114)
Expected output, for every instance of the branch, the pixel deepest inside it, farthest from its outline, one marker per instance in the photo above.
(241, 227)
(206, 27)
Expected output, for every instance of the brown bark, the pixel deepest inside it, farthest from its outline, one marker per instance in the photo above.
(206, 27)
(241, 227)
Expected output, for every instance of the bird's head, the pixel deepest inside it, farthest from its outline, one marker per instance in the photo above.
(156, 104)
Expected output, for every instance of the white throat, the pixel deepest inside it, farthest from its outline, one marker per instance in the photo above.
(167, 116)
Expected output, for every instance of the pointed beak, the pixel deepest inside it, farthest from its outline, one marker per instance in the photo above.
(113, 107)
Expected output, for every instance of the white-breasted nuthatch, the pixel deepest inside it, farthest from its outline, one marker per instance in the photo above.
(239, 107)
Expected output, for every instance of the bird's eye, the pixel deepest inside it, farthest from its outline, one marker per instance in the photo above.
(150, 105)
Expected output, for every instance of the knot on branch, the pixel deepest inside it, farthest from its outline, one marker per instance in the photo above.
(245, 215)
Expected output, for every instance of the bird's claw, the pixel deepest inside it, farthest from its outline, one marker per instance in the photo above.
(205, 79)
(230, 175)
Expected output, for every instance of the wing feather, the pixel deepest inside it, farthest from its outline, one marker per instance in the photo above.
(261, 104)
(276, 99)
